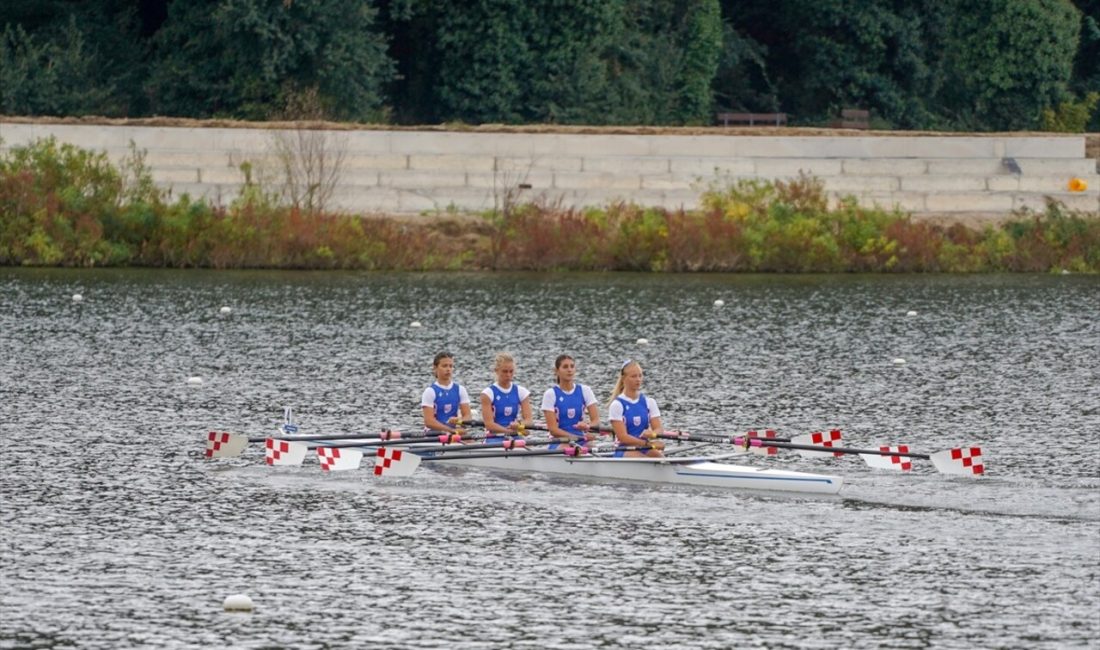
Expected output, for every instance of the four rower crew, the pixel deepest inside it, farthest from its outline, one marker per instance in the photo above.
(506, 408)
(565, 404)
(444, 403)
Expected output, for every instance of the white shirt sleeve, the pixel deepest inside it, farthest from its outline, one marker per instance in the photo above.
(428, 398)
(523, 393)
(548, 400)
(488, 392)
(651, 404)
(589, 396)
(615, 411)
(463, 396)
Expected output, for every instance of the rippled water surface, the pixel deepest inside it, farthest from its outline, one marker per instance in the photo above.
(118, 533)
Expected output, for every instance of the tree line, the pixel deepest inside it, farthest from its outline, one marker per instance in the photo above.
(974, 65)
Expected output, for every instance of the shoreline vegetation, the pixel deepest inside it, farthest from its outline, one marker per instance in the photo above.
(65, 206)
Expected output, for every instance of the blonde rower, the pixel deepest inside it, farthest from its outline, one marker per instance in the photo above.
(445, 402)
(504, 404)
(634, 417)
(565, 404)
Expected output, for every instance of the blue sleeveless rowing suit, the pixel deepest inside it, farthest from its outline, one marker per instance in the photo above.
(569, 407)
(636, 419)
(505, 409)
(447, 402)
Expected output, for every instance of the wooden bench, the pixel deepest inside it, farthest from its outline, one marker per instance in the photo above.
(753, 119)
(853, 118)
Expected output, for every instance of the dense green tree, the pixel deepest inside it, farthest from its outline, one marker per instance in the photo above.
(1086, 69)
(592, 62)
(513, 60)
(945, 64)
(251, 58)
(1006, 60)
(69, 58)
(823, 55)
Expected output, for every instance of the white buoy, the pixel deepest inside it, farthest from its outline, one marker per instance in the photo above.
(415, 323)
(643, 341)
(910, 313)
(899, 361)
(719, 302)
(194, 381)
(225, 310)
(77, 297)
(237, 603)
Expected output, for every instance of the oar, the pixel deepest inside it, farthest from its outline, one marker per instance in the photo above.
(399, 463)
(222, 444)
(385, 434)
(535, 426)
(964, 461)
(342, 456)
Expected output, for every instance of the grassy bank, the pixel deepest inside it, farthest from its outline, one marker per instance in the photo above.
(63, 206)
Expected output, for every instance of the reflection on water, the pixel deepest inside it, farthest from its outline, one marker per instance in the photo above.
(118, 534)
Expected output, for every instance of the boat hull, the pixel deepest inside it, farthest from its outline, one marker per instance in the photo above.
(699, 471)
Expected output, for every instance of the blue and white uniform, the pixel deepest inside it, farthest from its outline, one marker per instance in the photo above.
(446, 400)
(568, 407)
(635, 414)
(506, 405)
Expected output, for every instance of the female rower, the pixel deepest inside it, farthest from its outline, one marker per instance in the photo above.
(634, 417)
(504, 404)
(445, 404)
(565, 404)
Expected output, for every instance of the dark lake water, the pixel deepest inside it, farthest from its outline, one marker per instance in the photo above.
(116, 532)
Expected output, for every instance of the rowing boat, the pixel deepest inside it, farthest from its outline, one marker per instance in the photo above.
(396, 456)
(700, 471)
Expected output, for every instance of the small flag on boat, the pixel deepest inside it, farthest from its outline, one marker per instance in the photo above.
(966, 461)
(334, 459)
(220, 444)
(395, 462)
(285, 452)
(821, 439)
(898, 463)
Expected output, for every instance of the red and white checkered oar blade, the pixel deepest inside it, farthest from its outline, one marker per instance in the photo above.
(964, 461)
(335, 459)
(220, 444)
(285, 452)
(896, 463)
(820, 439)
(395, 462)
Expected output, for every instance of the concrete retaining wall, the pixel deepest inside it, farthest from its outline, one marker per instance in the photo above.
(418, 171)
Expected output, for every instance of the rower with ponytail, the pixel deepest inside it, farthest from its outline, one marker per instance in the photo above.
(634, 417)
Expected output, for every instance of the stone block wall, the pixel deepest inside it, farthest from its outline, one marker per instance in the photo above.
(405, 171)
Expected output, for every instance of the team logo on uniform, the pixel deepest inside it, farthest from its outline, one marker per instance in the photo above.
(446, 408)
(571, 413)
(507, 410)
(637, 420)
